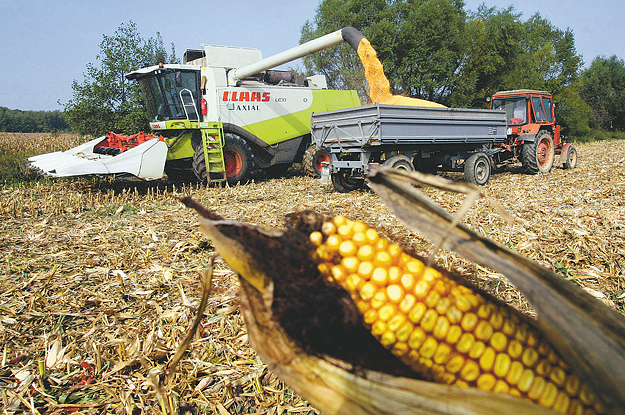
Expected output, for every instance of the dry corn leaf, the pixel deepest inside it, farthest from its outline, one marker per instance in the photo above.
(586, 333)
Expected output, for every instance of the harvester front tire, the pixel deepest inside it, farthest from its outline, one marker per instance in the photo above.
(313, 160)
(538, 156)
(477, 169)
(344, 183)
(238, 159)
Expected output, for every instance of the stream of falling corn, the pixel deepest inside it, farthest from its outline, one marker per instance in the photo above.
(379, 87)
(437, 326)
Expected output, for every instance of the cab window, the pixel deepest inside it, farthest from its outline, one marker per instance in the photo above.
(548, 106)
(538, 110)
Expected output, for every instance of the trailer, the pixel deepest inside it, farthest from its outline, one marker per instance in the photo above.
(405, 137)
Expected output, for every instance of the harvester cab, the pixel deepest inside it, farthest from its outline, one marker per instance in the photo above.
(533, 137)
(219, 115)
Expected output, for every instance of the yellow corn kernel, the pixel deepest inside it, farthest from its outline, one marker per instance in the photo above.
(586, 396)
(454, 315)
(483, 312)
(486, 382)
(453, 334)
(396, 321)
(470, 371)
(455, 364)
(514, 374)
(365, 253)
(316, 238)
(509, 326)
(394, 274)
(415, 267)
(483, 331)
(443, 305)
(372, 236)
(400, 349)
(532, 341)
(430, 274)
(382, 244)
(345, 231)
(502, 365)
(417, 313)
(367, 291)
(332, 243)
(501, 387)
(379, 276)
(365, 269)
(407, 281)
(323, 268)
(562, 403)
(378, 300)
(487, 360)
(428, 348)
(496, 320)
(526, 380)
(558, 376)
(328, 228)
(388, 338)
(552, 357)
(395, 293)
(323, 253)
(416, 339)
(385, 312)
(429, 320)
(442, 353)
(530, 357)
(421, 289)
(515, 349)
(538, 386)
(465, 343)
(348, 248)
(549, 395)
(469, 321)
(543, 368)
(378, 328)
(359, 238)
(477, 350)
(441, 327)
(370, 316)
(462, 303)
(382, 259)
(575, 408)
(350, 263)
(353, 282)
(432, 299)
(363, 306)
(407, 302)
(403, 333)
(499, 341)
(521, 333)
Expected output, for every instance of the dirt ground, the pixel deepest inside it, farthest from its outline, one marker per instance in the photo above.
(100, 279)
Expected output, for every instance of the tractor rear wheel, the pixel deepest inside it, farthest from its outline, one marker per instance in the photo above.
(400, 162)
(538, 156)
(571, 158)
(343, 182)
(477, 169)
(313, 160)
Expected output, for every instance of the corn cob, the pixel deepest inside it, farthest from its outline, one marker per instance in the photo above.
(441, 327)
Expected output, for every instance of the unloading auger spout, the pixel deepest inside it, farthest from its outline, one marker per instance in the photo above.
(348, 34)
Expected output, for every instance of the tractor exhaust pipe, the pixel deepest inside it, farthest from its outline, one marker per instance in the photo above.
(348, 34)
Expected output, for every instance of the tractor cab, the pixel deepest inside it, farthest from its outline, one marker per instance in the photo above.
(525, 106)
(171, 92)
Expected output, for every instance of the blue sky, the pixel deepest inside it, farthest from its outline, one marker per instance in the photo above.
(45, 45)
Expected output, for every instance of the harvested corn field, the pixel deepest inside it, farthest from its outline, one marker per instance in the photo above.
(100, 279)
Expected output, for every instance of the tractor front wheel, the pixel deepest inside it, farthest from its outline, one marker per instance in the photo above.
(538, 156)
(571, 158)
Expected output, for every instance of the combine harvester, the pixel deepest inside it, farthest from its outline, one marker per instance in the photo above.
(218, 115)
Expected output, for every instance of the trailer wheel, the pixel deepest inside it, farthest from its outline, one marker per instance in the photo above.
(344, 183)
(400, 162)
(313, 160)
(477, 169)
(571, 158)
(238, 159)
(539, 156)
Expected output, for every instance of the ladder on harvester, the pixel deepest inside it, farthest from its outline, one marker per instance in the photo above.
(213, 139)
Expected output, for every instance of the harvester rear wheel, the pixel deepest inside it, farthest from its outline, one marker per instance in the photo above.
(343, 182)
(313, 160)
(538, 156)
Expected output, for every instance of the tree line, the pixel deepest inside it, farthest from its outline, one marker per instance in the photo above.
(437, 50)
(17, 121)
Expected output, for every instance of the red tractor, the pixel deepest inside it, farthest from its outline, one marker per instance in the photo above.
(533, 136)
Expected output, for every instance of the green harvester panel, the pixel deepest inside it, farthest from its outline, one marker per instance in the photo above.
(213, 139)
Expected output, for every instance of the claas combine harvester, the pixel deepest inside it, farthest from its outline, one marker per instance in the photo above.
(220, 114)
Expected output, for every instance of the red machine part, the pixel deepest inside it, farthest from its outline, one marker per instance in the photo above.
(124, 142)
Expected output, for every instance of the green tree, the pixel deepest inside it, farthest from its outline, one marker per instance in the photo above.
(106, 100)
(603, 89)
